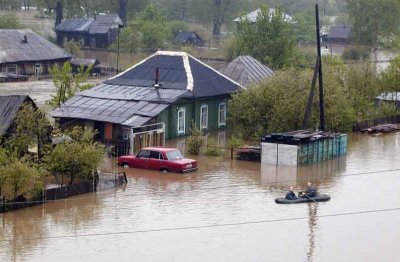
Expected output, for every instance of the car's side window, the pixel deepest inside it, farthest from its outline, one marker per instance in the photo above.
(143, 154)
(155, 155)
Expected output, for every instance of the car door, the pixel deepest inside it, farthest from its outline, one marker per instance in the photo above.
(142, 159)
(155, 161)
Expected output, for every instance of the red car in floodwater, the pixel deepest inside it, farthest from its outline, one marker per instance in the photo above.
(159, 158)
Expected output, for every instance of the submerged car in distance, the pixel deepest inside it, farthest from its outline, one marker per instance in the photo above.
(159, 158)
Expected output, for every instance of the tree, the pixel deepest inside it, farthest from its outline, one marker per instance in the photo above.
(67, 83)
(20, 177)
(375, 22)
(31, 129)
(78, 158)
(269, 39)
(3, 171)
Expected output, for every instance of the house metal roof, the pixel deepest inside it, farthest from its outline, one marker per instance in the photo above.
(252, 16)
(9, 106)
(339, 31)
(131, 98)
(84, 61)
(75, 25)
(184, 36)
(14, 49)
(246, 70)
(389, 96)
(100, 25)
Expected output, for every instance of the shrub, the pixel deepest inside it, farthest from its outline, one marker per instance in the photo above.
(195, 140)
(356, 53)
(236, 141)
(213, 148)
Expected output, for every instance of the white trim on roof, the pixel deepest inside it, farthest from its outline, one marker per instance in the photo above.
(185, 56)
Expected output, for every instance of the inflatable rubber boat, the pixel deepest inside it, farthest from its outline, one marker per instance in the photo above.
(319, 198)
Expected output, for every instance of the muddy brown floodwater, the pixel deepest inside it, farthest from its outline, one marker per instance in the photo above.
(130, 223)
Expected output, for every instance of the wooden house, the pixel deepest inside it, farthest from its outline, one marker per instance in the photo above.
(156, 99)
(98, 32)
(188, 38)
(247, 71)
(339, 34)
(24, 53)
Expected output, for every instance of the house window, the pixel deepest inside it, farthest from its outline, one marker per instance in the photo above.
(181, 121)
(125, 133)
(204, 117)
(222, 114)
(12, 69)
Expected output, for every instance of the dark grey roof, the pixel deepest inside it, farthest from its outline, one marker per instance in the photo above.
(252, 16)
(13, 49)
(75, 25)
(184, 36)
(339, 31)
(104, 22)
(131, 98)
(100, 25)
(9, 106)
(129, 113)
(177, 70)
(246, 70)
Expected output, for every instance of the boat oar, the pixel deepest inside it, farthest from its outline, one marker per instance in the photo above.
(310, 198)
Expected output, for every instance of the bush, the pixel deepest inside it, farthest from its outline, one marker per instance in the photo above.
(213, 148)
(195, 140)
(236, 141)
(356, 53)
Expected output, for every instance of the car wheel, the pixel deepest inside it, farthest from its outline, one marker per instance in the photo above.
(164, 170)
(125, 165)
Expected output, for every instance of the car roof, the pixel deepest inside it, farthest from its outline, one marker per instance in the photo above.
(160, 149)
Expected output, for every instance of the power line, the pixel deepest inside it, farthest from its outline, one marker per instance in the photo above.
(207, 226)
(214, 188)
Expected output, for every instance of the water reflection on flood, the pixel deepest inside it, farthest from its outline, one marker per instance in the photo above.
(223, 191)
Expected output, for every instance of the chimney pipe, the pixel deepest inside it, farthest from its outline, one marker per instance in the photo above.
(157, 77)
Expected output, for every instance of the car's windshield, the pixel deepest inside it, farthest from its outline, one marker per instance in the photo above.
(173, 155)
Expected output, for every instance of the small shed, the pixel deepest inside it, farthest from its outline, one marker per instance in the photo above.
(339, 34)
(247, 71)
(188, 38)
(77, 63)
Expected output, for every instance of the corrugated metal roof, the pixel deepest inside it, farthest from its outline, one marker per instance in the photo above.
(108, 110)
(246, 70)
(339, 31)
(9, 106)
(14, 49)
(83, 61)
(104, 22)
(75, 25)
(389, 96)
(252, 16)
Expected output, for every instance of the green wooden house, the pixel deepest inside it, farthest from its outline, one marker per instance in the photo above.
(162, 94)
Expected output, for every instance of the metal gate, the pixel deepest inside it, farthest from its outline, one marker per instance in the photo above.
(146, 136)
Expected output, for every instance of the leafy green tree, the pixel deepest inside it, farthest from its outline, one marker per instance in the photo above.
(391, 76)
(78, 158)
(269, 39)
(67, 83)
(21, 177)
(31, 130)
(375, 22)
(4, 159)
(195, 140)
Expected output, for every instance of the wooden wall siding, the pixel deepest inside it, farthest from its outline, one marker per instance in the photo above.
(108, 131)
(170, 116)
(28, 68)
(147, 140)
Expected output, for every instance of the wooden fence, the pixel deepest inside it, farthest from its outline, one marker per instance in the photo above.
(375, 122)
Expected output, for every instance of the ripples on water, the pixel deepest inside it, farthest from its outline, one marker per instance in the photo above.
(223, 192)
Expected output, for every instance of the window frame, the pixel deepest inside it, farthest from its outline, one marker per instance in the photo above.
(12, 66)
(220, 123)
(201, 118)
(183, 111)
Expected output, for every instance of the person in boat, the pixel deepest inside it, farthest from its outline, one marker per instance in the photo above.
(311, 191)
(290, 195)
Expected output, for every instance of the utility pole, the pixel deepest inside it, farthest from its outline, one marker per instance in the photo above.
(320, 76)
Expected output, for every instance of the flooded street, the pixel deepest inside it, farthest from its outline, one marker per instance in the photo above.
(224, 212)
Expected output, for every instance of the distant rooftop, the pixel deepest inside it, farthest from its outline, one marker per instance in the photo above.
(339, 31)
(252, 17)
(25, 46)
(389, 96)
(99, 25)
(246, 70)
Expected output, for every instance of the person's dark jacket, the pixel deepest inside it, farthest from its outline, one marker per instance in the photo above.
(291, 195)
(311, 191)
